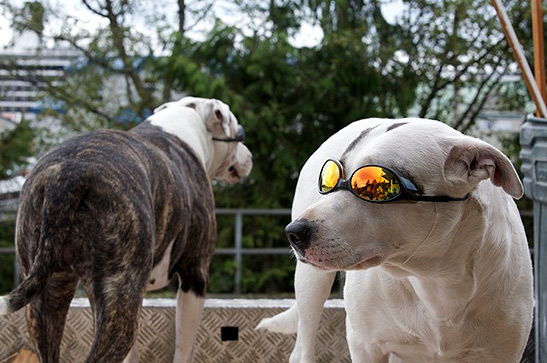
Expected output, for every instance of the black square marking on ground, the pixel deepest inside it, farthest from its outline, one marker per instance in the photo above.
(229, 333)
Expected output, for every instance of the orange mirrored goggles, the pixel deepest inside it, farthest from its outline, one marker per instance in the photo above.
(373, 183)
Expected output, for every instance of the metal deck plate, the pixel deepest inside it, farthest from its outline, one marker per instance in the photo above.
(157, 331)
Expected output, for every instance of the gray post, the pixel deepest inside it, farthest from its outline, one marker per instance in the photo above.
(533, 139)
(238, 244)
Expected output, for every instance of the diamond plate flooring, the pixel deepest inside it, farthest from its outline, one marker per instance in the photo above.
(157, 331)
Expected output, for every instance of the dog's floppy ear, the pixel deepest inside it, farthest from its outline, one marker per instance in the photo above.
(472, 160)
(219, 115)
(215, 113)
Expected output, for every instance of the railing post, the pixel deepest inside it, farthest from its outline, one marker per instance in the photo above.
(238, 244)
(533, 139)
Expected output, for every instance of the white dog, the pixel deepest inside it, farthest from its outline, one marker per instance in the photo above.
(438, 268)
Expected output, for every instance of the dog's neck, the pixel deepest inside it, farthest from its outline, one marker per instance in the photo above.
(185, 124)
(449, 275)
(444, 279)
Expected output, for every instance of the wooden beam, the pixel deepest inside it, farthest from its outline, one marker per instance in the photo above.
(24, 356)
(539, 57)
(513, 41)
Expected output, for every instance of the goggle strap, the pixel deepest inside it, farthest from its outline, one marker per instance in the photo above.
(428, 198)
(240, 136)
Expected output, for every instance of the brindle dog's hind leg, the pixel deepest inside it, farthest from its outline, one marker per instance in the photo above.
(46, 315)
(117, 303)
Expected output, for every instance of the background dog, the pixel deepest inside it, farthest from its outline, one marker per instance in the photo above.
(123, 212)
(427, 281)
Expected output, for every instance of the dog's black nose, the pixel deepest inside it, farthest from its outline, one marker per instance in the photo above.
(300, 233)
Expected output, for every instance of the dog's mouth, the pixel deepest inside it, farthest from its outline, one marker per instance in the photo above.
(337, 265)
(234, 174)
(301, 256)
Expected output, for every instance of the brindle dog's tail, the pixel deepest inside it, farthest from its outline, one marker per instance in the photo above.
(61, 197)
(25, 292)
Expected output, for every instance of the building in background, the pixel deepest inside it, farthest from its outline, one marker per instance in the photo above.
(22, 68)
(496, 122)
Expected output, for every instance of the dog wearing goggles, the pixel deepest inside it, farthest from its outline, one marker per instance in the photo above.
(123, 213)
(422, 219)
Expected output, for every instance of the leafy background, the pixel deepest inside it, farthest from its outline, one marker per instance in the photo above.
(288, 97)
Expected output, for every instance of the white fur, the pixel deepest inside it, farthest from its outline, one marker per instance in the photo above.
(159, 277)
(285, 322)
(192, 131)
(197, 125)
(426, 282)
(4, 306)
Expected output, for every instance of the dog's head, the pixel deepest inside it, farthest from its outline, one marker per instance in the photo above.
(228, 158)
(340, 231)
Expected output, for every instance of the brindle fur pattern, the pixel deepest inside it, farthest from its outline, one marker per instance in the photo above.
(102, 208)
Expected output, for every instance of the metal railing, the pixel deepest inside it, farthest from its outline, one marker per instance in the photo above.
(8, 207)
(237, 251)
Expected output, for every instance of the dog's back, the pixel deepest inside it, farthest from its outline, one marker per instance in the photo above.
(93, 188)
(104, 208)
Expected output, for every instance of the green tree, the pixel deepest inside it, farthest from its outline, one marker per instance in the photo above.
(289, 99)
(108, 84)
(30, 17)
(15, 148)
(7, 237)
(459, 51)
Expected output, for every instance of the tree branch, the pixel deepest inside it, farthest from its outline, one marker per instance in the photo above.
(61, 93)
(89, 55)
(118, 37)
(478, 108)
(472, 110)
(94, 11)
(168, 83)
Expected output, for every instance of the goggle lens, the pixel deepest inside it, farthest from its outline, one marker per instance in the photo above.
(375, 183)
(330, 174)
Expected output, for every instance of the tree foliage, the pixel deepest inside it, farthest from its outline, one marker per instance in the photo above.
(15, 148)
(439, 59)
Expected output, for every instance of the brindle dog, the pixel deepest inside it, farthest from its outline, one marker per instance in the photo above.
(123, 212)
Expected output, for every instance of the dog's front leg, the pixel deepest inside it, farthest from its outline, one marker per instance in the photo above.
(312, 288)
(188, 318)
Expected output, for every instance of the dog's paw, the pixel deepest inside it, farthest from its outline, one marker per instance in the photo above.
(271, 325)
(285, 322)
